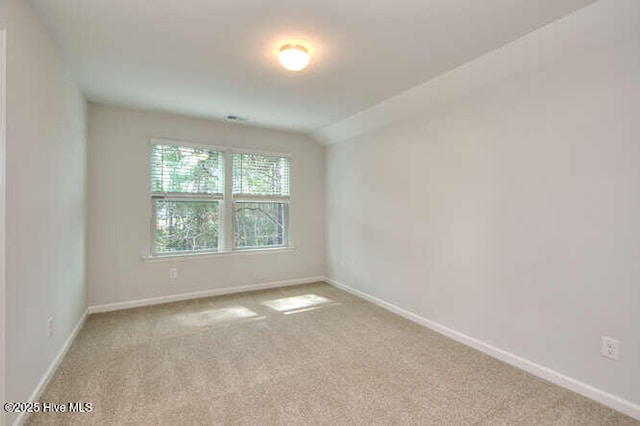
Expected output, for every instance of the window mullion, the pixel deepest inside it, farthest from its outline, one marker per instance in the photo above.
(186, 196)
(259, 197)
(227, 216)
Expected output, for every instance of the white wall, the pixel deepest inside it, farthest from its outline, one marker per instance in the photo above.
(120, 208)
(46, 203)
(510, 214)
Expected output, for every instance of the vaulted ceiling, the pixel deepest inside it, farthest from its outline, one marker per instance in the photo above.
(213, 58)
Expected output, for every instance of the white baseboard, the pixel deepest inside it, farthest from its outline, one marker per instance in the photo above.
(199, 294)
(37, 392)
(624, 406)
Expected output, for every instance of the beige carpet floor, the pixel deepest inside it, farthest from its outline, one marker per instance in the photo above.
(308, 354)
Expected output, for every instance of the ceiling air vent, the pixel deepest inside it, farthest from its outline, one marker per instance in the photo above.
(236, 118)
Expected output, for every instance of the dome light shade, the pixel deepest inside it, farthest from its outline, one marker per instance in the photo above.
(293, 57)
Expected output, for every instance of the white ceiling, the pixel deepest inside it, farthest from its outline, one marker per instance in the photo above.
(211, 58)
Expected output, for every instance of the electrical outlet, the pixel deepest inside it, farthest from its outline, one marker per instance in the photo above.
(173, 273)
(49, 326)
(610, 347)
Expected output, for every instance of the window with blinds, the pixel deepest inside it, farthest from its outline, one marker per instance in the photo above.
(180, 170)
(260, 200)
(187, 187)
(190, 185)
(256, 176)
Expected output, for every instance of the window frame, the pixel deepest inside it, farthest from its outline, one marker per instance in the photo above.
(182, 196)
(226, 203)
(246, 198)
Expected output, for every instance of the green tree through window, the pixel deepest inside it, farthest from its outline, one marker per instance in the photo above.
(188, 199)
(261, 200)
(187, 189)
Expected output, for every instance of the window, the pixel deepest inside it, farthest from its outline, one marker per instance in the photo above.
(187, 185)
(190, 213)
(260, 200)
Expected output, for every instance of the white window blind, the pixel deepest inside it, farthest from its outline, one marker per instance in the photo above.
(186, 171)
(257, 176)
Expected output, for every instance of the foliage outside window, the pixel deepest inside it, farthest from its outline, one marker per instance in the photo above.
(188, 200)
(187, 190)
(260, 200)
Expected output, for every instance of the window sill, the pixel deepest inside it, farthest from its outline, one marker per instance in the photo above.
(227, 253)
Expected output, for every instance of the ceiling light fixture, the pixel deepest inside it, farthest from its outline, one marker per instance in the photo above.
(293, 57)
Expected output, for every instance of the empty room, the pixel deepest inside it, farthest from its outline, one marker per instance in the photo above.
(320, 212)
